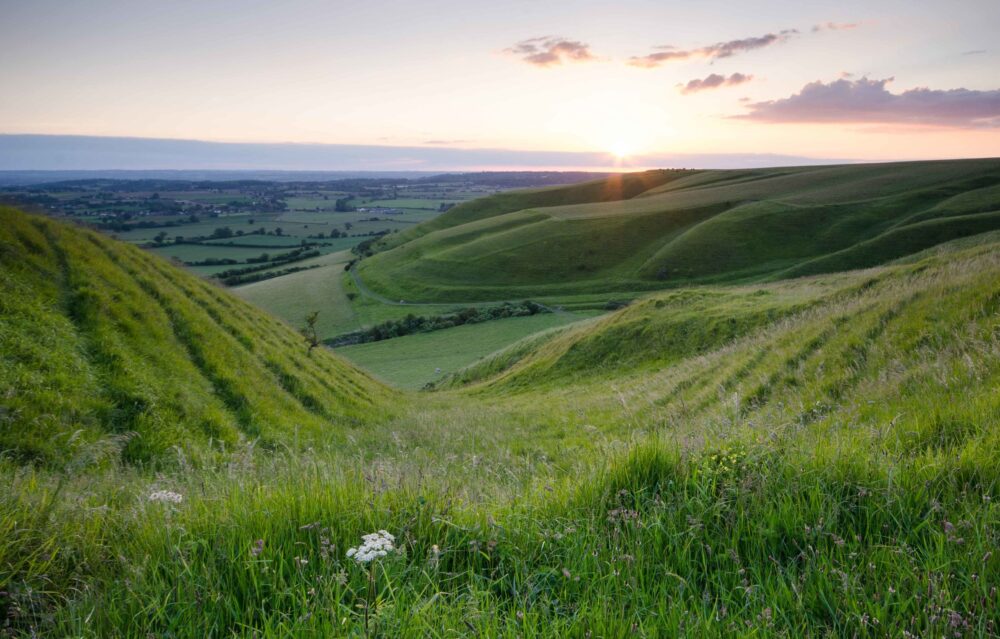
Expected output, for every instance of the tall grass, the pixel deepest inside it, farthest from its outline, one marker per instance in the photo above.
(823, 465)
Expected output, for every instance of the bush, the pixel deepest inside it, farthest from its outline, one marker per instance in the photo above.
(413, 324)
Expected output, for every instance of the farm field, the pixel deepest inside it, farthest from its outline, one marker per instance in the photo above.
(413, 361)
(320, 289)
(197, 221)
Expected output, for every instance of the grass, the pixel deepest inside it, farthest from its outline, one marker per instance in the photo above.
(675, 229)
(102, 340)
(814, 457)
(415, 360)
(292, 297)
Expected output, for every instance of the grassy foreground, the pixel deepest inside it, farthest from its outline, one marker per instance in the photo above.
(819, 459)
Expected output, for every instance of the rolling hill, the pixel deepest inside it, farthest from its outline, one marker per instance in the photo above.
(669, 229)
(808, 457)
(101, 341)
(826, 323)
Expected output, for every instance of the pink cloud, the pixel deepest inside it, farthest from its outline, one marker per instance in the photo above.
(869, 101)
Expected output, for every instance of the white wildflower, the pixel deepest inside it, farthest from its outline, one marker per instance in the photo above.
(166, 496)
(374, 546)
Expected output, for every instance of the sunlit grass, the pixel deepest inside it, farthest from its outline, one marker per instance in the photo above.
(811, 458)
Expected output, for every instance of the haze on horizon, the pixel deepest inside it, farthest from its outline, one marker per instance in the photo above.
(443, 84)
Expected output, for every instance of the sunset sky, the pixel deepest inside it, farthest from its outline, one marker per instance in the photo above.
(633, 80)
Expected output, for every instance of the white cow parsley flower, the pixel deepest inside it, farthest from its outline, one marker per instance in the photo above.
(166, 496)
(374, 546)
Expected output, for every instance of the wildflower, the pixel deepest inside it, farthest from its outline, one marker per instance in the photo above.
(258, 547)
(375, 545)
(166, 496)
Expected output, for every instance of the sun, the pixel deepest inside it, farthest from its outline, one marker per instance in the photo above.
(621, 149)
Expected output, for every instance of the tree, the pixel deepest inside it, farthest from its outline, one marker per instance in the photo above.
(160, 237)
(309, 332)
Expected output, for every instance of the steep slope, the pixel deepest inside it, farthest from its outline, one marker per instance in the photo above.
(702, 227)
(831, 322)
(807, 458)
(614, 188)
(100, 340)
(815, 458)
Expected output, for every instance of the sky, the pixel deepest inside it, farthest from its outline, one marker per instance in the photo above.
(626, 84)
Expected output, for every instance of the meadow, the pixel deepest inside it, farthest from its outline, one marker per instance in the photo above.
(319, 289)
(413, 361)
(796, 456)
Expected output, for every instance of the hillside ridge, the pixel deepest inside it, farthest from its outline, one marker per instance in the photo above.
(103, 340)
(693, 228)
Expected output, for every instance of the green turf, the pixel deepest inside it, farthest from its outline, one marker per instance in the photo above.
(678, 229)
(292, 297)
(415, 360)
(804, 458)
(105, 340)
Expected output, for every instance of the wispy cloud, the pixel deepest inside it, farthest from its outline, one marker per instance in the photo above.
(547, 51)
(446, 142)
(714, 81)
(728, 49)
(869, 101)
(974, 52)
(835, 26)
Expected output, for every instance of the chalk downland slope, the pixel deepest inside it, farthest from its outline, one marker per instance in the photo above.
(767, 339)
(814, 457)
(102, 341)
(692, 228)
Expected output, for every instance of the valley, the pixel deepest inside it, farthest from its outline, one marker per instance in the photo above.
(792, 432)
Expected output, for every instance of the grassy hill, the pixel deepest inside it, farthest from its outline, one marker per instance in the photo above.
(811, 457)
(670, 229)
(832, 321)
(614, 188)
(101, 341)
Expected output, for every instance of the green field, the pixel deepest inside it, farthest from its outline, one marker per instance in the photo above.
(292, 297)
(679, 228)
(810, 456)
(415, 360)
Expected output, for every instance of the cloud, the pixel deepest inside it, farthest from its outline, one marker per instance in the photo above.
(715, 51)
(714, 81)
(975, 52)
(446, 142)
(549, 51)
(868, 101)
(131, 158)
(835, 26)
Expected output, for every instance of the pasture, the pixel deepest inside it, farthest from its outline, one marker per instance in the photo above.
(412, 361)
(807, 457)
